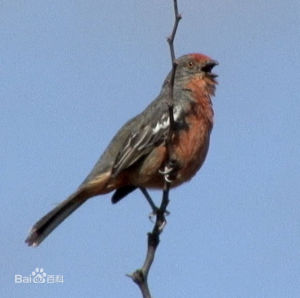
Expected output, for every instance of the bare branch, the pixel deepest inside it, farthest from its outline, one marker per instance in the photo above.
(172, 36)
(170, 40)
(140, 276)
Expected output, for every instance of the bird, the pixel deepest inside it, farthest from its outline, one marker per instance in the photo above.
(137, 154)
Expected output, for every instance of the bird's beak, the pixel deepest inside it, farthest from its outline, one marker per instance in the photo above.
(208, 66)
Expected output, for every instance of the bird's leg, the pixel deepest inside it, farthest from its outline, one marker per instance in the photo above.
(151, 203)
(170, 170)
(149, 199)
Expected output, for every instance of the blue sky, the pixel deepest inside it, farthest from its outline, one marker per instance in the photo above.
(72, 72)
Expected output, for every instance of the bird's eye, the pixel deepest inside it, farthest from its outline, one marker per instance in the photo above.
(190, 64)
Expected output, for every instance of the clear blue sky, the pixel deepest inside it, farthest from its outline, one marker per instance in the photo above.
(72, 72)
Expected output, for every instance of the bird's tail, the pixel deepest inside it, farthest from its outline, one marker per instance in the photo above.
(51, 220)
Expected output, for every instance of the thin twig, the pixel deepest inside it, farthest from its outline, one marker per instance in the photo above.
(170, 40)
(140, 276)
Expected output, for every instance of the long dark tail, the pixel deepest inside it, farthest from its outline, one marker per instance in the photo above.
(52, 219)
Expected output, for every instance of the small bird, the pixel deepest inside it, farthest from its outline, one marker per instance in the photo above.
(136, 156)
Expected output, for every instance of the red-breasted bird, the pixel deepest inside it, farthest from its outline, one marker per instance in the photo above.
(137, 154)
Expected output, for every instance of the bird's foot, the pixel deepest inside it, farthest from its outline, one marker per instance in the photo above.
(153, 214)
(170, 170)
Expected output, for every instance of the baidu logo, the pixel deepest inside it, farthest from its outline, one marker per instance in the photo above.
(39, 276)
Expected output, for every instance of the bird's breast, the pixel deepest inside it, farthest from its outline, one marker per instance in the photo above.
(190, 147)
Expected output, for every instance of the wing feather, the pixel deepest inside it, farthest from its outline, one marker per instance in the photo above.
(139, 144)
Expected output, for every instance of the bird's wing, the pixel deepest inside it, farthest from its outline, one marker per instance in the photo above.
(141, 141)
(135, 140)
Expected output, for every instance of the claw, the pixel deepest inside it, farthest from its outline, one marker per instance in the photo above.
(153, 214)
(163, 224)
(170, 170)
(168, 179)
(167, 170)
(167, 213)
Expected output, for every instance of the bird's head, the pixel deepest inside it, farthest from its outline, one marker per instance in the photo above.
(195, 65)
